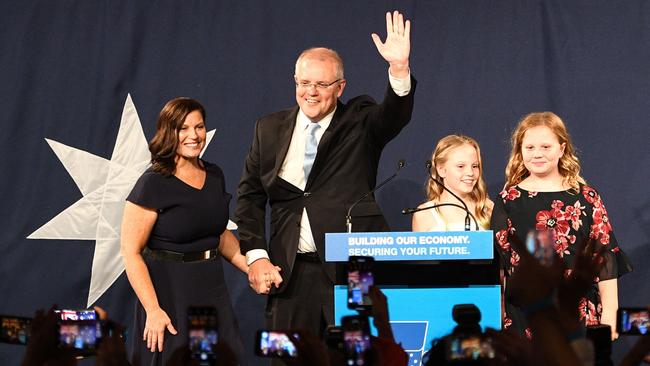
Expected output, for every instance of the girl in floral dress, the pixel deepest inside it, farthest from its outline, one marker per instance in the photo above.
(544, 191)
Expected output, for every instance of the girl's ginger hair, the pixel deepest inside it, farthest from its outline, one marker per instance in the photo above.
(568, 165)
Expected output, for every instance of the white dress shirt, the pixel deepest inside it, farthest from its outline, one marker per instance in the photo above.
(292, 167)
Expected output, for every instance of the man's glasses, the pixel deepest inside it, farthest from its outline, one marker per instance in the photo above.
(318, 85)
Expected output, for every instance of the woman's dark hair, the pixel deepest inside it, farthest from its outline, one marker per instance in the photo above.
(164, 144)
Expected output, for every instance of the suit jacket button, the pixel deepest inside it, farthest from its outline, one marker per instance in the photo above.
(306, 194)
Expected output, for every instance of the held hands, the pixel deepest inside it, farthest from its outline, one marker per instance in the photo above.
(397, 47)
(154, 329)
(262, 274)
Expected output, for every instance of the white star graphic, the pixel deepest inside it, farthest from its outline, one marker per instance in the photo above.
(104, 185)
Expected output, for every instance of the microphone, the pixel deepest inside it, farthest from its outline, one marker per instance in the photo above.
(468, 213)
(348, 218)
(410, 211)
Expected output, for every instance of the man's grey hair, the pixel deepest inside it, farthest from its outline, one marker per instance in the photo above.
(322, 54)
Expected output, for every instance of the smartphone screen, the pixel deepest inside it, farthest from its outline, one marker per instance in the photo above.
(271, 343)
(541, 244)
(83, 314)
(632, 321)
(202, 333)
(81, 335)
(14, 329)
(360, 278)
(356, 339)
(468, 347)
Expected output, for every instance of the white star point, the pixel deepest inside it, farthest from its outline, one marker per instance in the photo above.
(104, 184)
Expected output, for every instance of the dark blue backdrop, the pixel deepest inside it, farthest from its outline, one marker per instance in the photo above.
(66, 68)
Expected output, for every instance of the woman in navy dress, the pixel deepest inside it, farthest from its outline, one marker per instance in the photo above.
(173, 232)
(545, 191)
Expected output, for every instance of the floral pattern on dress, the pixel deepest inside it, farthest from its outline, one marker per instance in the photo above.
(590, 313)
(502, 236)
(560, 222)
(601, 227)
(529, 333)
(510, 194)
(574, 213)
(572, 216)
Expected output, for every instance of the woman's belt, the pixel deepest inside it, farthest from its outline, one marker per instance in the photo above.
(180, 256)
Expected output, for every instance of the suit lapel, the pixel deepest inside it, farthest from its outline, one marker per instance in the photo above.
(286, 131)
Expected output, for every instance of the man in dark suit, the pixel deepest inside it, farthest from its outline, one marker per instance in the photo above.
(310, 163)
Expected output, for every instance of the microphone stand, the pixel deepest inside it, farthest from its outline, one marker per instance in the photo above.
(468, 213)
(410, 211)
(348, 217)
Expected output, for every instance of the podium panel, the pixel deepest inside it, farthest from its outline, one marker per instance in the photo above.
(410, 246)
(420, 315)
(423, 275)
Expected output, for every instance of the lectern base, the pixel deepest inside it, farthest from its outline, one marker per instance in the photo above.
(421, 314)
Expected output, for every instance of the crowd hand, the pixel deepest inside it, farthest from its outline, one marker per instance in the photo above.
(639, 353)
(224, 354)
(42, 345)
(387, 352)
(312, 351)
(531, 280)
(262, 274)
(587, 265)
(397, 47)
(512, 348)
(183, 357)
(101, 313)
(154, 329)
(379, 312)
(112, 351)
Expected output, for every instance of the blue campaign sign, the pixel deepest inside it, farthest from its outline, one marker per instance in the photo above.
(420, 315)
(410, 246)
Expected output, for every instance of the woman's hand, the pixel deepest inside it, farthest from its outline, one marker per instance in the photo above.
(154, 329)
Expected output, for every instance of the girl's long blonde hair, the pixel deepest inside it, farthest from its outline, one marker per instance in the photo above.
(478, 194)
(569, 165)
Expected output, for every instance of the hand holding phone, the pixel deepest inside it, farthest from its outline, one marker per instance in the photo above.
(334, 337)
(275, 343)
(360, 278)
(463, 347)
(632, 321)
(356, 339)
(202, 334)
(79, 330)
(14, 329)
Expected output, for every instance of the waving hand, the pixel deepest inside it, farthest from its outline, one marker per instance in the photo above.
(397, 47)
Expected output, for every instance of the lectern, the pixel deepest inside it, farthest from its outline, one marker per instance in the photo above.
(423, 275)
